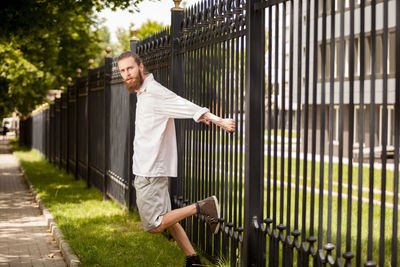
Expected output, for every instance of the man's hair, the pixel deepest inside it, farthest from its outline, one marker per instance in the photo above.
(136, 57)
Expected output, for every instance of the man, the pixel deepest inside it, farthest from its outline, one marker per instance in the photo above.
(155, 153)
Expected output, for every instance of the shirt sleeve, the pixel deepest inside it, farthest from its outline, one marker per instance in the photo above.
(169, 104)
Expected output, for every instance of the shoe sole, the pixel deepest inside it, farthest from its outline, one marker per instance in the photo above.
(217, 206)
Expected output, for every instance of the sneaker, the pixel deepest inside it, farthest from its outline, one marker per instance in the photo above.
(193, 260)
(209, 209)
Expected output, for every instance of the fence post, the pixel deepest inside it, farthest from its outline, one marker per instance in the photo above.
(58, 125)
(89, 156)
(62, 145)
(253, 245)
(46, 142)
(107, 97)
(78, 75)
(131, 195)
(176, 78)
(21, 131)
(51, 121)
(69, 80)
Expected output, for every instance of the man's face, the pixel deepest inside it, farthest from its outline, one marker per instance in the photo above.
(131, 73)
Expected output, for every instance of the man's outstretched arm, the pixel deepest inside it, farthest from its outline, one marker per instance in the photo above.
(227, 125)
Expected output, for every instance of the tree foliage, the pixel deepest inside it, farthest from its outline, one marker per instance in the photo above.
(44, 42)
(146, 29)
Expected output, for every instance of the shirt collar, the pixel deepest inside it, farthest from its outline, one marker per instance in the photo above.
(146, 82)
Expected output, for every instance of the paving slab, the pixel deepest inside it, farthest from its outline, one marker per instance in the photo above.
(25, 239)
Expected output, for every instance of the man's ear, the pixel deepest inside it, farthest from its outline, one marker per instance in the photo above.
(141, 67)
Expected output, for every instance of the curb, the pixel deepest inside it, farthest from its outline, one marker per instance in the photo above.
(69, 256)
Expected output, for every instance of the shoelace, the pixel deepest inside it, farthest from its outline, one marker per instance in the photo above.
(211, 220)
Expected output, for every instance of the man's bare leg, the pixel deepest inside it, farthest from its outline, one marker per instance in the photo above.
(181, 238)
(173, 217)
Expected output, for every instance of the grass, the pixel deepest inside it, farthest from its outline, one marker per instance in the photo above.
(223, 158)
(100, 232)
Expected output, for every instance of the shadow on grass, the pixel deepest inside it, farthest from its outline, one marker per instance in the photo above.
(100, 232)
(118, 240)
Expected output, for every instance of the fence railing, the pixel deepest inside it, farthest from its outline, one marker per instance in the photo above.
(311, 175)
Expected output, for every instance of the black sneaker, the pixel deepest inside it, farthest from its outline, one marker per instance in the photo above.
(209, 209)
(193, 260)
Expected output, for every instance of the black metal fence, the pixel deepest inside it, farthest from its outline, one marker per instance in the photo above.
(310, 177)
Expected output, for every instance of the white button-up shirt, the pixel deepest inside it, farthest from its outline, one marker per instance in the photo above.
(154, 148)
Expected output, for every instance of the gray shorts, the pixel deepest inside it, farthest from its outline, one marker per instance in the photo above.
(152, 200)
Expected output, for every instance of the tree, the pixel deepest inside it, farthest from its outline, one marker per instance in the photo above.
(146, 29)
(44, 42)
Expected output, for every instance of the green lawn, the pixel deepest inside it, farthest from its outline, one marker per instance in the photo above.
(223, 161)
(100, 232)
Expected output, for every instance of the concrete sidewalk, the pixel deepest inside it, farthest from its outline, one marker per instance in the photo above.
(25, 239)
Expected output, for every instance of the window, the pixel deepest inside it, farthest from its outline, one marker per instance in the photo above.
(336, 124)
(392, 52)
(357, 127)
(337, 59)
(378, 55)
(328, 61)
(347, 58)
(356, 57)
(390, 125)
(367, 55)
(319, 70)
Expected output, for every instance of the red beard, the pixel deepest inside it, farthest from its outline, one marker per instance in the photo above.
(133, 85)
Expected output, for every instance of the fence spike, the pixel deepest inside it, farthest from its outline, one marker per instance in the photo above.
(90, 61)
(177, 7)
(133, 34)
(108, 51)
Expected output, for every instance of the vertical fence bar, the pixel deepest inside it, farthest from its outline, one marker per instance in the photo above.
(282, 227)
(311, 239)
(360, 135)
(396, 143)
(208, 103)
(58, 131)
(289, 241)
(191, 133)
(254, 133)
(67, 144)
(130, 194)
(371, 137)
(305, 137)
(236, 206)
(322, 131)
(384, 135)
(331, 111)
(296, 233)
(196, 138)
(203, 90)
(232, 146)
(88, 119)
(78, 75)
(269, 134)
(176, 77)
(303, 250)
(274, 249)
(269, 117)
(341, 123)
(107, 105)
(348, 255)
(217, 239)
(242, 111)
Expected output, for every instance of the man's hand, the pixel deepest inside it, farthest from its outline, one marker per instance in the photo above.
(227, 125)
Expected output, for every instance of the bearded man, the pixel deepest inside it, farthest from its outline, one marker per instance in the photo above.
(155, 153)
